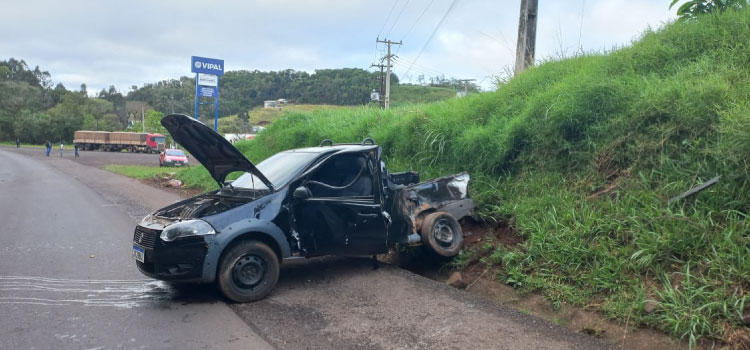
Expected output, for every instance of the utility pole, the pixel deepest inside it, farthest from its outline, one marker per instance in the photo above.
(387, 102)
(526, 35)
(143, 120)
(382, 81)
(466, 86)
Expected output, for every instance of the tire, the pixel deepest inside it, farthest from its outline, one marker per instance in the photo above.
(441, 234)
(248, 271)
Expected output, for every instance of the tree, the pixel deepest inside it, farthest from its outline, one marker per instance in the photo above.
(694, 8)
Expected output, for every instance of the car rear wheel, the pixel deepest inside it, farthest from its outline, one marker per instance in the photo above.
(441, 234)
(248, 271)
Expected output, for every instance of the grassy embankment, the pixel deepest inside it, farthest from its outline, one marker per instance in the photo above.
(637, 125)
(402, 95)
(260, 114)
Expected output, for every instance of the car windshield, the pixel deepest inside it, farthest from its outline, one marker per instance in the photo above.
(279, 169)
(175, 153)
(160, 139)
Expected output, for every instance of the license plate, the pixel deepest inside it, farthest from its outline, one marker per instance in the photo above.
(139, 254)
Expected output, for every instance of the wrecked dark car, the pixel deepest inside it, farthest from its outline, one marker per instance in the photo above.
(335, 199)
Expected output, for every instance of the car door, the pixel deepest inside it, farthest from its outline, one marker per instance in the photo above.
(347, 221)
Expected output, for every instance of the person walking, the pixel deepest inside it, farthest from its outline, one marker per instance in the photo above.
(61, 148)
(18, 143)
(75, 147)
(49, 147)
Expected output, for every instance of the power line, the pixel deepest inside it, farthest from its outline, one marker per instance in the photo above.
(418, 18)
(415, 23)
(386, 20)
(433, 33)
(397, 18)
(422, 69)
(407, 62)
(503, 43)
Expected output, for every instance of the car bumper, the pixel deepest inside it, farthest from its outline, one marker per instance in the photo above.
(170, 163)
(180, 260)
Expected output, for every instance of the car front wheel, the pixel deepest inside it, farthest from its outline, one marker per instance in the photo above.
(248, 271)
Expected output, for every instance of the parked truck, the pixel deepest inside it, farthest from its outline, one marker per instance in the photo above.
(118, 141)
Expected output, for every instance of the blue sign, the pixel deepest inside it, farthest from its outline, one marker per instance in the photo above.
(207, 85)
(206, 65)
(207, 91)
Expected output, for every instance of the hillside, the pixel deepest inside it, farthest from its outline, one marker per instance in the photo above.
(403, 94)
(260, 115)
(580, 156)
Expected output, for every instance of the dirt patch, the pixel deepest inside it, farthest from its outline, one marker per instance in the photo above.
(738, 339)
(479, 278)
(476, 233)
(163, 182)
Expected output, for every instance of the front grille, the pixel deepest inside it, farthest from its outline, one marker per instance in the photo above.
(145, 237)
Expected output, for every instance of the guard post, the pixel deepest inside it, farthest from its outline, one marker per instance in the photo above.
(207, 72)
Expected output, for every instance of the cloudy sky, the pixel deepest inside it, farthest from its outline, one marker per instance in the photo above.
(126, 43)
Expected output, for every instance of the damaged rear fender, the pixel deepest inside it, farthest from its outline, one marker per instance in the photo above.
(448, 194)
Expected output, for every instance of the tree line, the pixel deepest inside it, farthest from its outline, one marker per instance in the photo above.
(34, 109)
(242, 90)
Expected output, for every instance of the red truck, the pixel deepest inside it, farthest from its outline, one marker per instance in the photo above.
(118, 141)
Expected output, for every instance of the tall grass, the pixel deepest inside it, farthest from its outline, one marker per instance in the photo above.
(645, 122)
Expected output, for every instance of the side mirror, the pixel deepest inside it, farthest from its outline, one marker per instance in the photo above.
(302, 192)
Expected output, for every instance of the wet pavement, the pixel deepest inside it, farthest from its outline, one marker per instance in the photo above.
(67, 280)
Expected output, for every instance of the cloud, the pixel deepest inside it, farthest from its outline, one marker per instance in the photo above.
(131, 43)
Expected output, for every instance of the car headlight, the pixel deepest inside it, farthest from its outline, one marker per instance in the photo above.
(186, 229)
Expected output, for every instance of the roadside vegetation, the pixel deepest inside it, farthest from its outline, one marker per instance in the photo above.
(579, 157)
(138, 171)
(406, 94)
(242, 122)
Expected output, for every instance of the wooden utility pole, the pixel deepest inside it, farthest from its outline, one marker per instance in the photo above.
(382, 81)
(526, 35)
(387, 99)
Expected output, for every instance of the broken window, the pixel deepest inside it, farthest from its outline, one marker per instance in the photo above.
(345, 175)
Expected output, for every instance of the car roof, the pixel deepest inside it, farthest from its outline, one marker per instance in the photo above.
(335, 148)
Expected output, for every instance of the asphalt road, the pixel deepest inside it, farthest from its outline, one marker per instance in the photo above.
(67, 280)
(58, 213)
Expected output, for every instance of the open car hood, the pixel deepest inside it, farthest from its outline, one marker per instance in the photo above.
(211, 149)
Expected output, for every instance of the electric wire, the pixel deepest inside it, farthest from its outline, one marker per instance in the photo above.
(397, 18)
(395, 2)
(450, 8)
(406, 63)
(414, 24)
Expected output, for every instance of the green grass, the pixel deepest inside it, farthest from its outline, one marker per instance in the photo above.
(25, 145)
(192, 177)
(414, 94)
(229, 124)
(647, 121)
(139, 171)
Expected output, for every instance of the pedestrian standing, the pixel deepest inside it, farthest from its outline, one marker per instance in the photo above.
(61, 148)
(49, 147)
(75, 147)
(18, 143)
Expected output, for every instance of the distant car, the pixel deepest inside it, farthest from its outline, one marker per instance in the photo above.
(173, 157)
(335, 199)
